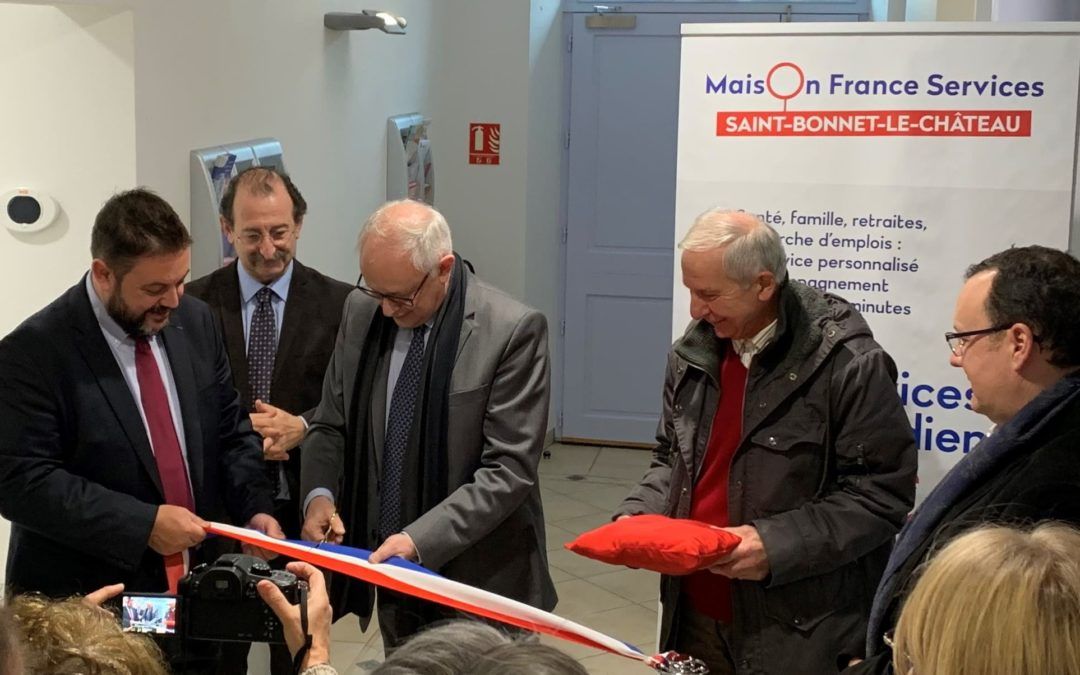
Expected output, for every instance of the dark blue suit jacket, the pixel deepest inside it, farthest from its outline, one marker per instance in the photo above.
(78, 479)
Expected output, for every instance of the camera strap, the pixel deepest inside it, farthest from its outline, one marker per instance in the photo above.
(298, 660)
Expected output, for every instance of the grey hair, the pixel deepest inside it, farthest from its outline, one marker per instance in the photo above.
(469, 647)
(750, 246)
(424, 233)
(448, 649)
(523, 657)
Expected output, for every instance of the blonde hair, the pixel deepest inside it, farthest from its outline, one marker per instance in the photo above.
(68, 636)
(995, 601)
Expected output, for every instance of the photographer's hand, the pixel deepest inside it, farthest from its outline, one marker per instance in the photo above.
(95, 598)
(318, 612)
(176, 529)
(269, 526)
(322, 523)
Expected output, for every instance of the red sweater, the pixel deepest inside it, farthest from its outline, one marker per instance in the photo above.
(710, 594)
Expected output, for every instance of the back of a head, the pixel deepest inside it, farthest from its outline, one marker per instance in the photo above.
(527, 658)
(135, 224)
(995, 601)
(1039, 287)
(750, 246)
(446, 649)
(68, 637)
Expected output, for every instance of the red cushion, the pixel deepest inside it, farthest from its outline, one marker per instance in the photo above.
(658, 543)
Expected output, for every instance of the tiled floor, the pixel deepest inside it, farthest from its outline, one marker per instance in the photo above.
(581, 485)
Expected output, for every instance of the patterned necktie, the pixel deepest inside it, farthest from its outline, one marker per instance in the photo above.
(262, 348)
(398, 426)
(166, 445)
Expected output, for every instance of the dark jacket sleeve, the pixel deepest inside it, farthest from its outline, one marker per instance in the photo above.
(875, 464)
(37, 489)
(322, 464)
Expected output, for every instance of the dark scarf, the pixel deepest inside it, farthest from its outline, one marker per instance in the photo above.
(425, 470)
(984, 461)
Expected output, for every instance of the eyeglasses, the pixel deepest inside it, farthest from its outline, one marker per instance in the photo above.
(958, 342)
(255, 237)
(397, 300)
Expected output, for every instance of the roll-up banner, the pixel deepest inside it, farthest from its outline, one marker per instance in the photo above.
(889, 157)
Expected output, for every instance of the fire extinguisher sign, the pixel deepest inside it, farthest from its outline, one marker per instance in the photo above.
(484, 140)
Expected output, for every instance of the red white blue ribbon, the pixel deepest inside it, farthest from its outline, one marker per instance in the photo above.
(405, 577)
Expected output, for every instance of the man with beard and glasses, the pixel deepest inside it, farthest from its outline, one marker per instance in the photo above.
(121, 434)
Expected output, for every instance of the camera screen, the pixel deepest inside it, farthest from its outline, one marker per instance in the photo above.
(148, 613)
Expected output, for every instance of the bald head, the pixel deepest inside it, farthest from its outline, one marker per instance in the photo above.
(410, 227)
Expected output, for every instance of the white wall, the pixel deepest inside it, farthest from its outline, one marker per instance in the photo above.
(211, 71)
(501, 61)
(71, 133)
(482, 76)
(215, 71)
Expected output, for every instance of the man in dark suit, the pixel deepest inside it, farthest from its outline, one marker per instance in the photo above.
(431, 425)
(1018, 342)
(262, 213)
(120, 429)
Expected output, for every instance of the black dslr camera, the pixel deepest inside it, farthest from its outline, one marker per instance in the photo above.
(218, 600)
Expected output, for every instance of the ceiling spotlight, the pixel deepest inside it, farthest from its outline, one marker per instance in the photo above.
(387, 22)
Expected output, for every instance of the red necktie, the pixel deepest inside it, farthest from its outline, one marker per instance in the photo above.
(167, 453)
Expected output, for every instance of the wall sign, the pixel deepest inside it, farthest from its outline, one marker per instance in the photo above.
(484, 140)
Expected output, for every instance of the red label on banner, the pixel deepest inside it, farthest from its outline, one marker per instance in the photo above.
(875, 123)
(484, 140)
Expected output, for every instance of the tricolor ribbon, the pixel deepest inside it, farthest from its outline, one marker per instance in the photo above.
(404, 577)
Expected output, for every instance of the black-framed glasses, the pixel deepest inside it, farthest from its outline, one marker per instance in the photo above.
(405, 302)
(958, 342)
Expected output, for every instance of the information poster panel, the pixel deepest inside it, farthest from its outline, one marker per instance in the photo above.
(889, 158)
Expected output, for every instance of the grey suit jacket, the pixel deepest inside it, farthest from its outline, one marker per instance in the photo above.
(489, 531)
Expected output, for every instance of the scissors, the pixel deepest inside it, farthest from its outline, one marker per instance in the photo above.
(329, 529)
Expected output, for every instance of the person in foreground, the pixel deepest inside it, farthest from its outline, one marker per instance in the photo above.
(995, 601)
(426, 442)
(465, 647)
(77, 637)
(780, 423)
(1017, 340)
